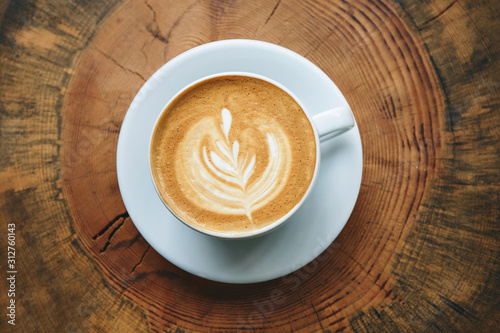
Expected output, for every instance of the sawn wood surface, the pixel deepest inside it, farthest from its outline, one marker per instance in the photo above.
(420, 252)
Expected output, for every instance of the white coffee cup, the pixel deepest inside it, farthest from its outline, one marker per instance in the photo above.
(326, 125)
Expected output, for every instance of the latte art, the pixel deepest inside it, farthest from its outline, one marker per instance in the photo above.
(230, 183)
(232, 154)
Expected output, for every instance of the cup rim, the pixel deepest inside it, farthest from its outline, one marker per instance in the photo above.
(281, 220)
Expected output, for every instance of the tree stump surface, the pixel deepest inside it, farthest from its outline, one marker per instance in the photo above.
(420, 251)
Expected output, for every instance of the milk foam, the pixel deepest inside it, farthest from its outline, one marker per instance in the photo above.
(221, 173)
(233, 154)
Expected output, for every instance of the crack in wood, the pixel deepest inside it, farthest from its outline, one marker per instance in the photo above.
(267, 19)
(441, 13)
(142, 258)
(108, 242)
(272, 12)
(155, 32)
(317, 316)
(144, 53)
(457, 308)
(120, 65)
(110, 224)
(157, 35)
(176, 23)
(158, 31)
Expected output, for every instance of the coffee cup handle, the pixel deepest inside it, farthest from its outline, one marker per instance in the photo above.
(333, 122)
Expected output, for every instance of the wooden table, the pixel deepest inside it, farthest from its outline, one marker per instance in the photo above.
(420, 251)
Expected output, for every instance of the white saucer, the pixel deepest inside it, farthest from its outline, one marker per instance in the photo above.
(308, 233)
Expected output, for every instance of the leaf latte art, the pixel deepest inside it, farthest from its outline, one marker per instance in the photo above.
(221, 172)
(232, 154)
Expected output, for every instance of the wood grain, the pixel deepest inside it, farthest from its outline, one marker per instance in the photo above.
(420, 251)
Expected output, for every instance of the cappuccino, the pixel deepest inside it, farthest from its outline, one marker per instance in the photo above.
(233, 154)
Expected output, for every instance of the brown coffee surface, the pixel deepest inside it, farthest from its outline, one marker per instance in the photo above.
(233, 154)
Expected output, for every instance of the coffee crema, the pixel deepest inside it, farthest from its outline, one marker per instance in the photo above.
(233, 154)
